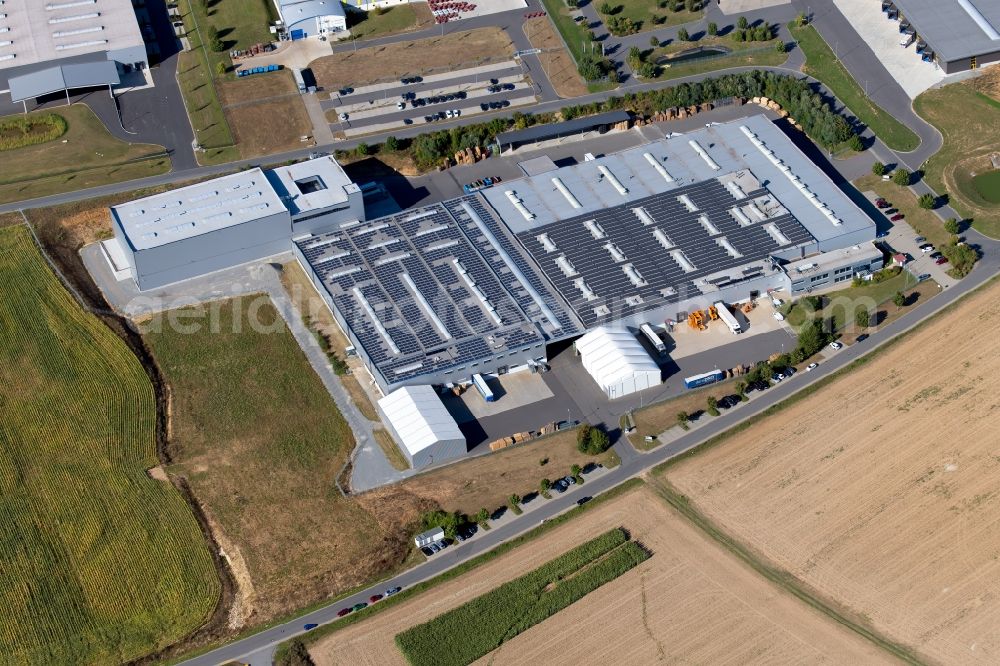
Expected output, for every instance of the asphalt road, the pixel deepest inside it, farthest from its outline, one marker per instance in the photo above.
(632, 465)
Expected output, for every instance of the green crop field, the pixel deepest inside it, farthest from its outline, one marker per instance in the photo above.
(100, 563)
(478, 627)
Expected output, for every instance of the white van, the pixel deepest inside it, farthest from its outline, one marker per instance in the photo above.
(906, 40)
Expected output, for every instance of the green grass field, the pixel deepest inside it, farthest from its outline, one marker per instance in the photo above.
(988, 186)
(844, 301)
(478, 627)
(822, 64)
(744, 54)
(573, 33)
(101, 563)
(644, 10)
(85, 156)
(392, 20)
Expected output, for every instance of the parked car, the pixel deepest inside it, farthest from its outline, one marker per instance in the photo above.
(923, 276)
(400, 105)
(407, 121)
(344, 611)
(941, 260)
(358, 607)
(778, 316)
(374, 598)
(836, 345)
(812, 366)
(926, 248)
(728, 401)
(434, 547)
(897, 217)
(862, 337)
(936, 255)
(919, 239)
(789, 371)
(310, 625)
(343, 116)
(881, 203)
(583, 500)
(777, 377)
(392, 590)
(345, 91)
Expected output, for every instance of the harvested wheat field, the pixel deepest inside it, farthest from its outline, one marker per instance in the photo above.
(691, 602)
(882, 491)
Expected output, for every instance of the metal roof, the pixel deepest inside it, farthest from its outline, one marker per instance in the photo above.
(553, 130)
(419, 418)
(198, 209)
(955, 29)
(296, 11)
(612, 355)
(42, 30)
(312, 185)
(63, 77)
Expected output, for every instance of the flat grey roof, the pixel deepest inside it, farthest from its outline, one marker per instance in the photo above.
(198, 209)
(43, 30)
(63, 77)
(955, 29)
(312, 185)
(820, 262)
(552, 130)
(425, 290)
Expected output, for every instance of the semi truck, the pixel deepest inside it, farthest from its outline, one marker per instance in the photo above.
(727, 318)
(482, 387)
(653, 338)
(704, 378)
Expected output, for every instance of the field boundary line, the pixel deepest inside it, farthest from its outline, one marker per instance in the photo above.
(67, 285)
(775, 575)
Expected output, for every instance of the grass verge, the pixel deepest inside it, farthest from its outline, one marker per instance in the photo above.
(391, 20)
(745, 54)
(574, 34)
(481, 625)
(102, 562)
(391, 451)
(822, 64)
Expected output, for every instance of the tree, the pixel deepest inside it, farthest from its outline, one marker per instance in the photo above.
(693, 5)
(361, 149)
(739, 35)
(647, 70)
(514, 499)
(606, 8)
(899, 299)
(862, 318)
(951, 226)
(214, 41)
(682, 419)
(613, 76)
(801, 19)
(901, 177)
(926, 201)
(575, 470)
(483, 517)
(780, 47)
(654, 41)
(878, 169)
(683, 35)
(713, 405)
(220, 68)
(391, 144)
(635, 55)
(811, 339)
(544, 486)
(713, 28)
(742, 23)
(855, 143)
(295, 655)
(583, 437)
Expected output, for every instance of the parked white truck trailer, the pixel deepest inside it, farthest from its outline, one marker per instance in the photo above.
(653, 338)
(728, 319)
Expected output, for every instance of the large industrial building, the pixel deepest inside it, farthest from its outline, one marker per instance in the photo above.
(963, 34)
(311, 18)
(49, 47)
(485, 282)
(421, 424)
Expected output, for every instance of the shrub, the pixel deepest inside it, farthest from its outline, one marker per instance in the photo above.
(683, 35)
(693, 5)
(878, 169)
(391, 144)
(544, 486)
(572, 4)
(20, 131)
(901, 177)
(713, 406)
(862, 318)
(855, 143)
(362, 149)
(449, 522)
(927, 201)
(961, 257)
(483, 517)
(742, 23)
(295, 654)
(811, 339)
(220, 68)
(899, 299)
(620, 26)
(214, 41)
(606, 8)
(682, 420)
(583, 436)
(713, 28)
(739, 35)
(654, 41)
(647, 70)
(951, 226)
(801, 19)
(780, 47)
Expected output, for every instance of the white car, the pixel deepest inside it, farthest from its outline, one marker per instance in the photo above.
(812, 366)
(926, 248)
(778, 316)
(450, 113)
(400, 105)
(457, 112)
(776, 301)
(835, 345)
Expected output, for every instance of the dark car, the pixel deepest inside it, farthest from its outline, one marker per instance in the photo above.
(508, 86)
(494, 81)
(392, 590)
(484, 106)
(881, 203)
(941, 260)
(358, 607)
(936, 255)
(426, 551)
(897, 217)
(407, 121)
(375, 597)
(493, 89)
(344, 611)
(583, 500)
(728, 401)
(311, 625)
(862, 337)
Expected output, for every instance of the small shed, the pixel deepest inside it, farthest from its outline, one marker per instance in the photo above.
(617, 361)
(429, 537)
(422, 426)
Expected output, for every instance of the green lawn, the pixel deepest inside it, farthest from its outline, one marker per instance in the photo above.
(822, 64)
(744, 54)
(573, 33)
(392, 20)
(102, 564)
(241, 24)
(969, 121)
(643, 11)
(843, 303)
(988, 185)
(86, 155)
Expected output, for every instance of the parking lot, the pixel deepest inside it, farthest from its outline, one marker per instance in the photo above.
(882, 35)
(901, 237)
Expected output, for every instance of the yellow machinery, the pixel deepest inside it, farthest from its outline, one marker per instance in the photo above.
(696, 320)
(713, 314)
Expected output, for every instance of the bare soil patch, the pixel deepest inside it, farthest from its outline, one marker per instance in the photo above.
(880, 491)
(691, 602)
(424, 56)
(558, 65)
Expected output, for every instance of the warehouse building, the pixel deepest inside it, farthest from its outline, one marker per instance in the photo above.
(231, 220)
(311, 18)
(963, 34)
(423, 428)
(58, 46)
(617, 361)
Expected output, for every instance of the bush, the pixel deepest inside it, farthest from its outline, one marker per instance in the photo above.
(927, 201)
(583, 436)
(214, 41)
(899, 299)
(811, 339)
(713, 406)
(647, 70)
(682, 420)
(483, 518)
(901, 177)
(962, 258)
(391, 144)
(780, 47)
(572, 4)
(742, 23)
(683, 35)
(620, 26)
(878, 169)
(544, 486)
(295, 654)
(606, 8)
(591, 68)
(20, 131)
(951, 226)
(862, 318)
(449, 522)
(362, 149)
(654, 41)
(713, 28)
(220, 68)
(693, 5)
(855, 143)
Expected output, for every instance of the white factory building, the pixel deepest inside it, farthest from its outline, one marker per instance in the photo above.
(617, 361)
(60, 45)
(311, 18)
(422, 426)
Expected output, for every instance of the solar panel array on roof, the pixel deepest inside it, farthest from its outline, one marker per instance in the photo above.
(425, 290)
(649, 252)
